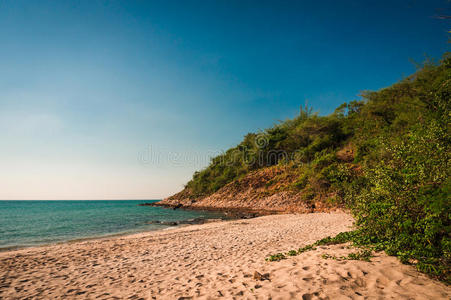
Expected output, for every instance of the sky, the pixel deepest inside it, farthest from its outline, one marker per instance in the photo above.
(126, 99)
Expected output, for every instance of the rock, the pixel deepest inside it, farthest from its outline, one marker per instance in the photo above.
(177, 206)
(168, 223)
(184, 222)
(193, 221)
(261, 277)
(257, 276)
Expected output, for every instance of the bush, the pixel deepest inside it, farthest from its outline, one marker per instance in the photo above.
(405, 208)
(398, 185)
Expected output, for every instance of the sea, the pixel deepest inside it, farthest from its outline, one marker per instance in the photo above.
(33, 223)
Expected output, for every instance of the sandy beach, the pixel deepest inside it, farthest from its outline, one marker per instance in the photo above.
(212, 261)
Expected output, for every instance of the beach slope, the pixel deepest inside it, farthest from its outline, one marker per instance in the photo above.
(212, 261)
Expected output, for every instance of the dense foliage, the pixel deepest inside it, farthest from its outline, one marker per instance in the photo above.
(403, 203)
(386, 157)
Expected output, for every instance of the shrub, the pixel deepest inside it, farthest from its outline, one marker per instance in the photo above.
(398, 185)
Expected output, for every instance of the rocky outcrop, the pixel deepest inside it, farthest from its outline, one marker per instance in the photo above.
(264, 191)
(195, 221)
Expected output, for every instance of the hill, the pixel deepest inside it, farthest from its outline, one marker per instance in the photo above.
(386, 157)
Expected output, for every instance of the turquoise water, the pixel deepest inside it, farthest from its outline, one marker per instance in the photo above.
(29, 223)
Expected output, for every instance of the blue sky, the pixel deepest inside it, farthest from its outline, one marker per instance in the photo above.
(125, 99)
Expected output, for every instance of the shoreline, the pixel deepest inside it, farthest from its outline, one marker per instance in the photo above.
(108, 235)
(76, 240)
(210, 261)
(233, 212)
(149, 225)
(230, 214)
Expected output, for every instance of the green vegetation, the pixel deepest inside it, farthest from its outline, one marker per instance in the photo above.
(340, 238)
(276, 257)
(364, 255)
(386, 157)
